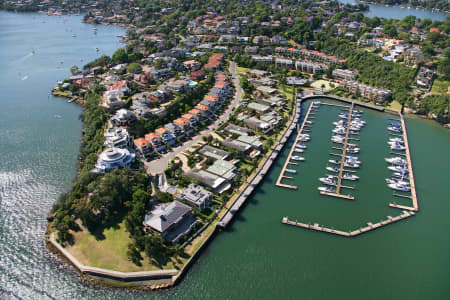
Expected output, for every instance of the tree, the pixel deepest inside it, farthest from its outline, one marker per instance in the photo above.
(134, 68)
(120, 56)
(134, 255)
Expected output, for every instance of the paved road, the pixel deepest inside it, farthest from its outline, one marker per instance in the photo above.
(159, 165)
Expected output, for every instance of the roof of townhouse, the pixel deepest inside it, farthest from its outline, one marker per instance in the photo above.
(202, 107)
(219, 85)
(141, 142)
(194, 111)
(186, 116)
(160, 130)
(181, 121)
(210, 98)
(150, 136)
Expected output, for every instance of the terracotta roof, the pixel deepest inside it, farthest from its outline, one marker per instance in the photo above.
(202, 107)
(160, 130)
(117, 85)
(194, 111)
(210, 98)
(181, 121)
(150, 136)
(141, 142)
(186, 116)
(434, 29)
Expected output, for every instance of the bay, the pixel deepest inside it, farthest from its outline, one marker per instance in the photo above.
(398, 12)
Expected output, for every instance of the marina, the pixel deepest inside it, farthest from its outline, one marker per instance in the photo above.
(346, 165)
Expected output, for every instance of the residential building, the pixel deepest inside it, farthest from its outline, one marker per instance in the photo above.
(113, 158)
(184, 125)
(156, 142)
(213, 152)
(171, 220)
(175, 130)
(260, 108)
(217, 183)
(196, 196)
(178, 86)
(167, 137)
(222, 168)
(258, 125)
(144, 147)
(117, 138)
(124, 117)
(344, 74)
(231, 128)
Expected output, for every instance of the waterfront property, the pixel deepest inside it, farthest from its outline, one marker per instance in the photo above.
(113, 158)
(171, 220)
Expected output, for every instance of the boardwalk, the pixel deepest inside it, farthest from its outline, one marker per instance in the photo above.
(288, 160)
(405, 214)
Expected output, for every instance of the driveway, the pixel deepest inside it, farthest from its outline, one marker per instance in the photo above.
(159, 165)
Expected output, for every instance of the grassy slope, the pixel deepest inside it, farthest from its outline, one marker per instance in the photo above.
(110, 252)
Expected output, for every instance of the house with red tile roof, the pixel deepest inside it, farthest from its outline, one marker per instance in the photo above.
(144, 147)
(156, 142)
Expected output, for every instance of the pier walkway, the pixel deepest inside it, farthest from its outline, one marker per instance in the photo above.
(405, 214)
(288, 160)
(415, 204)
(341, 169)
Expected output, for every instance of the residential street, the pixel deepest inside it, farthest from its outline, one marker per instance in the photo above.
(159, 165)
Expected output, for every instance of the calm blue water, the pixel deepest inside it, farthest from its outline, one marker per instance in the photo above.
(397, 12)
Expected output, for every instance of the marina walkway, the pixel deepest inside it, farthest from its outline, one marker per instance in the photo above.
(288, 160)
(415, 204)
(341, 169)
(405, 214)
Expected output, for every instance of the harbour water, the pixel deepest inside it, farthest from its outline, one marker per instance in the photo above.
(398, 12)
(256, 257)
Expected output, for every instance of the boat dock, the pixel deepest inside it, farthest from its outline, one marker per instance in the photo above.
(341, 169)
(288, 160)
(415, 204)
(370, 226)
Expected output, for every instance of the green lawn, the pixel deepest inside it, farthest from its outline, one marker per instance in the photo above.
(440, 87)
(110, 252)
(326, 85)
(242, 70)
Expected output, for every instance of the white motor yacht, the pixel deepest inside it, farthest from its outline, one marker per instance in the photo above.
(400, 169)
(399, 187)
(327, 189)
(395, 160)
(291, 171)
(350, 176)
(328, 180)
(331, 169)
(298, 158)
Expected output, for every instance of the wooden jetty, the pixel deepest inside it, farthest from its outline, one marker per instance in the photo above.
(341, 169)
(370, 226)
(286, 164)
(412, 183)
